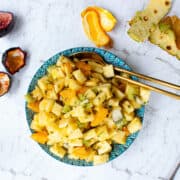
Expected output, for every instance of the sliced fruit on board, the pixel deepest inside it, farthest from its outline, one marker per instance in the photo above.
(144, 22)
(93, 29)
(5, 82)
(6, 22)
(166, 36)
(14, 59)
(107, 20)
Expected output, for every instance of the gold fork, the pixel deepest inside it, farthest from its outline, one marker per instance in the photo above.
(91, 56)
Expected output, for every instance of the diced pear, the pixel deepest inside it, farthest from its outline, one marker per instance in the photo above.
(100, 159)
(35, 124)
(63, 59)
(99, 77)
(59, 85)
(74, 85)
(127, 106)
(75, 142)
(145, 94)
(117, 114)
(42, 83)
(46, 105)
(56, 72)
(100, 98)
(58, 150)
(90, 134)
(76, 134)
(57, 109)
(96, 67)
(131, 91)
(119, 137)
(108, 71)
(90, 94)
(128, 117)
(103, 147)
(114, 102)
(102, 133)
(119, 94)
(135, 125)
(79, 76)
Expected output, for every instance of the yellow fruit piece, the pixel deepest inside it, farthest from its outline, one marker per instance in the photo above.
(40, 137)
(46, 105)
(35, 123)
(68, 95)
(120, 137)
(103, 147)
(108, 21)
(58, 150)
(34, 106)
(100, 159)
(93, 29)
(135, 125)
(99, 116)
(84, 67)
(80, 152)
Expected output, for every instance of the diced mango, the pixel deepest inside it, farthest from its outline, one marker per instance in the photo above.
(40, 137)
(34, 106)
(84, 67)
(80, 152)
(68, 96)
(99, 116)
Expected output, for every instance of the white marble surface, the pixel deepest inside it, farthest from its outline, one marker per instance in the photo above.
(44, 28)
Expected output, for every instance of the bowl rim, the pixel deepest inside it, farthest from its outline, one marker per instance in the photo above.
(109, 57)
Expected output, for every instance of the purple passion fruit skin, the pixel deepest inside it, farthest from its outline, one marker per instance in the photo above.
(14, 59)
(6, 22)
(5, 83)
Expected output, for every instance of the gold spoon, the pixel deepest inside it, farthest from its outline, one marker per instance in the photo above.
(91, 56)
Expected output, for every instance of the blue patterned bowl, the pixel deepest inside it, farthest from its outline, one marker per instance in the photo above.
(117, 149)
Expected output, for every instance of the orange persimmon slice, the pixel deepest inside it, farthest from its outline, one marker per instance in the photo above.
(107, 20)
(40, 137)
(93, 29)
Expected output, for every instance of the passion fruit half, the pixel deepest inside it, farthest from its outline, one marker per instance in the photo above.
(6, 22)
(5, 83)
(14, 59)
